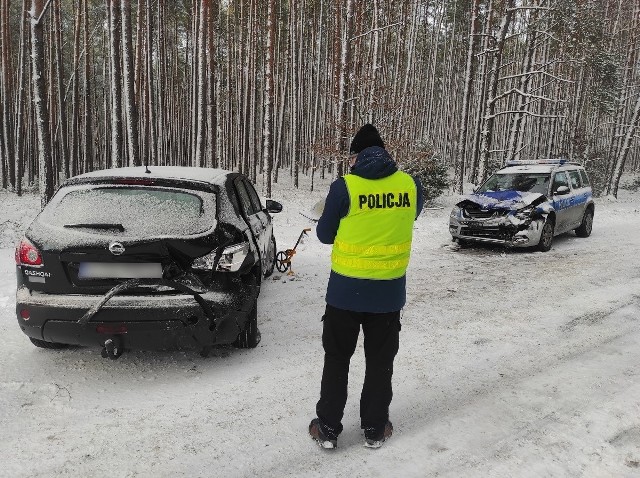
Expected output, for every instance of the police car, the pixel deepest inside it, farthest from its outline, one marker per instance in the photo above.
(526, 204)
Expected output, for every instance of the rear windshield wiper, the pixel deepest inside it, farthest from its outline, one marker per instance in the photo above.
(92, 225)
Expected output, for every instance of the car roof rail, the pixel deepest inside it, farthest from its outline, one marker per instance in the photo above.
(556, 161)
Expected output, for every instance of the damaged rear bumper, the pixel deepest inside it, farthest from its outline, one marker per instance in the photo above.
(143, 322)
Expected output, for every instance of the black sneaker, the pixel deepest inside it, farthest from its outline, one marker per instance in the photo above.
(374, 438)
(315, 430)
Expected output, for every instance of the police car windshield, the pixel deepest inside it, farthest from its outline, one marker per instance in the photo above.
(525, 182)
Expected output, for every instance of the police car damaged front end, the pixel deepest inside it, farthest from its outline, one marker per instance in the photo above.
(509, 218)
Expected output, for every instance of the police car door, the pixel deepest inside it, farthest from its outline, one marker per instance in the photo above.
(579, 197)
(561, 198)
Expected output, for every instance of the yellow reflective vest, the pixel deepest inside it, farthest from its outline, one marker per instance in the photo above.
(374, 238)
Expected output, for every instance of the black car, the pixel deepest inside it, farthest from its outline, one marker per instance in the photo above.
(146, 258)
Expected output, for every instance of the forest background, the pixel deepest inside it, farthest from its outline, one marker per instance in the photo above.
(270, 87)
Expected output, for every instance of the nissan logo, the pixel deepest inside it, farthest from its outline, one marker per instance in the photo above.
(116, 248)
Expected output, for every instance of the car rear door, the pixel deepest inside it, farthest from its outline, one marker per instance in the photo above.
(580, 196)
(258, 220)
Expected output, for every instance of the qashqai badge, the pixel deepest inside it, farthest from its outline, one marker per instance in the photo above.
(116, 248)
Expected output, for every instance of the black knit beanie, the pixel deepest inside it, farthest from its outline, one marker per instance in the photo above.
(365, 137)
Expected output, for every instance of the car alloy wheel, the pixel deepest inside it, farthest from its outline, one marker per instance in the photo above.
(546, 238)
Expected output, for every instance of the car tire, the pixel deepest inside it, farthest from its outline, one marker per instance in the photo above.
(271, 255)
(47, 345)
(584, 230)
(249, 338)
(546, 237)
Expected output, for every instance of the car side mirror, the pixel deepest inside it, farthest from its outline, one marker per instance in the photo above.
(273, 206)
(562, 190)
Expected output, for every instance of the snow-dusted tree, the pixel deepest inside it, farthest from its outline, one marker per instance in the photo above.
(267, 125)
(45, 166)
(19, 124)
(343, 67)
(115, 84)
(131, 108)
(489, 116)
(7, 167)
(59, 120)
(212, 111)
(461, 146)
(631, 129)
(200, 97)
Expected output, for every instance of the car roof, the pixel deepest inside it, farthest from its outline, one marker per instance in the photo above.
(539, 166)
(209, 175)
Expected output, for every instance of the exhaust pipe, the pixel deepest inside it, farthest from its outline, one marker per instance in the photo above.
(112, 348)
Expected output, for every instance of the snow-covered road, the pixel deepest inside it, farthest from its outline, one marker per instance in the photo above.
(511, 364)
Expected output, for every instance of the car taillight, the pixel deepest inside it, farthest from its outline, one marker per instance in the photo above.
(28, 255)
(206, 262)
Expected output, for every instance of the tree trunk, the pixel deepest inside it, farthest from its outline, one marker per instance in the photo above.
(115, 34)
(487, 135)
(7, 166)
(45, 167)
(624, 148)
(267, 126)
(466, 102)
(131, 107)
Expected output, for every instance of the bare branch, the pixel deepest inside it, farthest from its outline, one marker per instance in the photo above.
(526, 95)
(528, 113)
(44, 10)
(375, 30)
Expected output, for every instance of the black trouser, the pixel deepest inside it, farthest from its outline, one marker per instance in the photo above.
(339, 338)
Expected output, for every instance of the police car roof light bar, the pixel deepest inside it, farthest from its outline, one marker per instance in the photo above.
(523, 162)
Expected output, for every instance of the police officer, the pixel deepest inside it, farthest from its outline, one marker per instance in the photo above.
(368, 217)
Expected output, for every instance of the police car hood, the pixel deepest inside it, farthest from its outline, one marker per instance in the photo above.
(502, 200)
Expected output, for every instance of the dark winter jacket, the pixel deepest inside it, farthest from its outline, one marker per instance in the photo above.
(348, 293)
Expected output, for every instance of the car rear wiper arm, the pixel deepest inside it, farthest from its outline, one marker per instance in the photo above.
(119, 227)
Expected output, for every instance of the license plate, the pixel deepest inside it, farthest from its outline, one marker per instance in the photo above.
(116, 270)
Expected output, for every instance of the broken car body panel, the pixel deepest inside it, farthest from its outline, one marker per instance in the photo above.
(512, 218)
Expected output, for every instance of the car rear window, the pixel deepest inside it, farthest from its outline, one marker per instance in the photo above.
(131, 211)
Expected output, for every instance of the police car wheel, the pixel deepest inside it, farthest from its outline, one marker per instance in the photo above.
(546, 238)
(587, 224)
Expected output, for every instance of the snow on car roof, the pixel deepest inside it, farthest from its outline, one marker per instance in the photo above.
(538, 166)
(210, 175)
(529, 168)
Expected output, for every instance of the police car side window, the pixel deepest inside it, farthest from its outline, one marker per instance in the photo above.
(585, 178)
(560, 179)
(576, 182)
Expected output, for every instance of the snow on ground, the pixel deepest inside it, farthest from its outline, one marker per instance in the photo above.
(511, 363)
